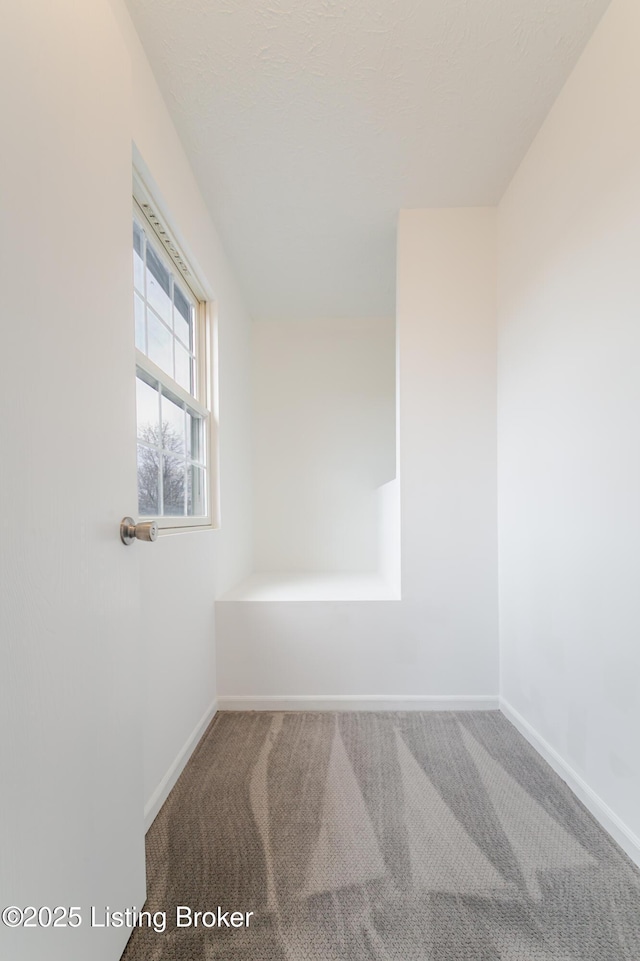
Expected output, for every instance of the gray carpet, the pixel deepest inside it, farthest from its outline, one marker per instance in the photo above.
(383, 837)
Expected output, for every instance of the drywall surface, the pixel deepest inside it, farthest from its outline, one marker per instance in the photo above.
(71, 830)
(441, 637)
(296, 651)
(569, 396)
(447, 355)
(108, 652)
(181, 573)
(324, 442)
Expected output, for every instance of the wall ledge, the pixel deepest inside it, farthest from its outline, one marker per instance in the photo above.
(312, 586)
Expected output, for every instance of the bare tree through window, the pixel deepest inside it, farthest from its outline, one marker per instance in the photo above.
(166, 449)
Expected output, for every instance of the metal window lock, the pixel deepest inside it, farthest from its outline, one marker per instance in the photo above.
(130, 531)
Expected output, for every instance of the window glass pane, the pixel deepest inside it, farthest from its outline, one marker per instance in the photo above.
(147, 407)
(160, 343)
(173, 426)
(182, 317)
(158, 285)
(148, 479)
(138, 254)
(195, 446)
(138, 239)
(183, 367)
(196, 500)
(173, 486)
(138, 305)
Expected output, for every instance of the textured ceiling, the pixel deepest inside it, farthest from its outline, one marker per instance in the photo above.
(310, 123)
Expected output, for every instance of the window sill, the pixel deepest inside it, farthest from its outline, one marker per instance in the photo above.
(186, 529)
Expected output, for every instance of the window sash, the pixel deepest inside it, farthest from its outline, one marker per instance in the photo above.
(171, 433)
(157, 373)
(152, 374)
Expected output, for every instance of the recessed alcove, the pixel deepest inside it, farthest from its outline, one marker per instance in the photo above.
(326, 513)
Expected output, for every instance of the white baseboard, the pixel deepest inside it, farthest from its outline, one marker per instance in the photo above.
(607, 818)
(163, 790)
(361, 702)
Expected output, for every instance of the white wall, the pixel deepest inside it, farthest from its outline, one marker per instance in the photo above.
(108, 653)
(447, 330)
(324, 442)
(441, 638)
(181, 573)
(569, 401)
(71, 798)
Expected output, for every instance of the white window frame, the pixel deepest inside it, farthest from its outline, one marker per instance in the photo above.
(204, 402)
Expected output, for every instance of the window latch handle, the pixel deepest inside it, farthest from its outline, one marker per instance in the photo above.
(130, 531)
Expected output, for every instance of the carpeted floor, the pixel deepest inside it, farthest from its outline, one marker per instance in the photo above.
(383, 837)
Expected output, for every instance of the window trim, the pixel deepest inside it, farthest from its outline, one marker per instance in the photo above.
(204, 404)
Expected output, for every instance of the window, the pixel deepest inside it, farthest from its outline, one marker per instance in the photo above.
(173, 418)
